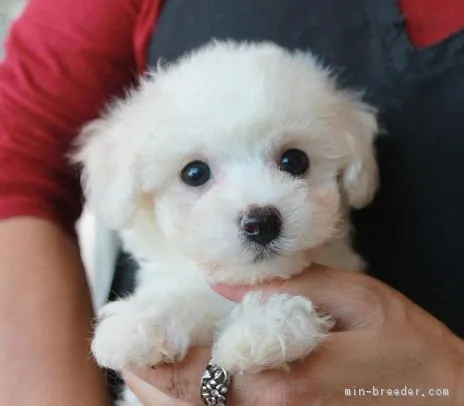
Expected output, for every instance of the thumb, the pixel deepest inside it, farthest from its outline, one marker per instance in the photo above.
(169, 384)
(348, 297)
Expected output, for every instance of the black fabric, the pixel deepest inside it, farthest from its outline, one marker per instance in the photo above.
(124, 278)
(413, 234)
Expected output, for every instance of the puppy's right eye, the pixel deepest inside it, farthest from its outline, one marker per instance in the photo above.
(195, 173)
(294, 161)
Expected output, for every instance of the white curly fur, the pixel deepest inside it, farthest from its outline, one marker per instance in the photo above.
(238, 107)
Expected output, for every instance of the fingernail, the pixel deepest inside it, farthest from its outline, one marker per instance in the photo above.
(146, 393)
(234, 293)
(134, 380)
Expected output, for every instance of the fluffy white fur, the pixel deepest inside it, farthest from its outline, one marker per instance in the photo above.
(238, 107)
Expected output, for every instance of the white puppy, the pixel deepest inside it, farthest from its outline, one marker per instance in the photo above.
(236, 164)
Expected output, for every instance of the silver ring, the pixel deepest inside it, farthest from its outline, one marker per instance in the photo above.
(215, 385)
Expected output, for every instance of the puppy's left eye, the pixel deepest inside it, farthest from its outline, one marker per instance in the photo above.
(195, 173)
(294, 161)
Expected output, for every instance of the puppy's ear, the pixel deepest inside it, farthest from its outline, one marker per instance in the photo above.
(106, 152)
(360, 175)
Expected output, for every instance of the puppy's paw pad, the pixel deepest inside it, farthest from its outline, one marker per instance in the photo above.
(130, 336)
(268, 333)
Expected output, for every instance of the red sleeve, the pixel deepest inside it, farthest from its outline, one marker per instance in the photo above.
(63, 60)
(431, 21)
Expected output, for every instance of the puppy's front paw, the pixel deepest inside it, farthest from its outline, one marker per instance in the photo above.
(268, 333)
(133, 333)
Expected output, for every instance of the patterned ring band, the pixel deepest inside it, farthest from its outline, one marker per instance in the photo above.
(215, 385)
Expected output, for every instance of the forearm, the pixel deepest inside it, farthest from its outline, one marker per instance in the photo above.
(460, 382)
(45, 319)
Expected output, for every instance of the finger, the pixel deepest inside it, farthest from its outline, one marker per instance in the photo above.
(179, 384)
(349, 297)
(181, 380)
(148, 394)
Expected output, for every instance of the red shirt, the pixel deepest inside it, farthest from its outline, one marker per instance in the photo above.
(65, 58)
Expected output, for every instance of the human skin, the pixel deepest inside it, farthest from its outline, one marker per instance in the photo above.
(45, 319)
(380, 339)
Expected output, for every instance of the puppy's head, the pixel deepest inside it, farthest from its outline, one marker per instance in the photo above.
(240, 156)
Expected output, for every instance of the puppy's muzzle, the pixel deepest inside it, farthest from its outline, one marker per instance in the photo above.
(262, 224)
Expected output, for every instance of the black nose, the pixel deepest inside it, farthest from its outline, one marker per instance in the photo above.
(262, 224)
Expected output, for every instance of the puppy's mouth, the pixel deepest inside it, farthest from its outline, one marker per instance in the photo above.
(265, 254)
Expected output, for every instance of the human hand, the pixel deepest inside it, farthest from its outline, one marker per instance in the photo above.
(381, 341)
